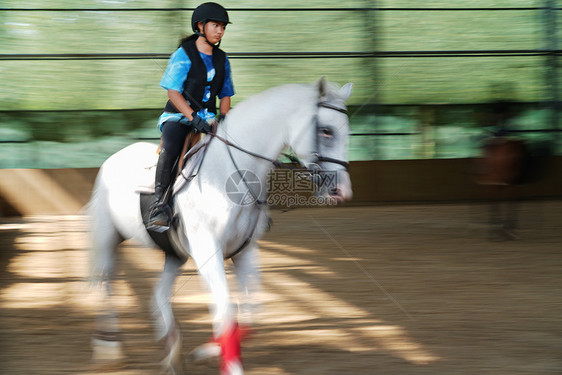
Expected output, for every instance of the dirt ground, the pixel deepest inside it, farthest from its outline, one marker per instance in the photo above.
(352, 290)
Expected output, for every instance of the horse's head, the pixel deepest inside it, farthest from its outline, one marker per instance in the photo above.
(323, 144)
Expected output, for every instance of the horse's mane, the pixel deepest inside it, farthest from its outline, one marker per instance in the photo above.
(295, 91)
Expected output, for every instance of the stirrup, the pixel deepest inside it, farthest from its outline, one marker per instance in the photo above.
(160, 218)
(157, 228)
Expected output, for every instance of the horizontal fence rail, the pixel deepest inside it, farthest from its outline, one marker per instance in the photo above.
(358, 9)
(369, 134)
(287, 55)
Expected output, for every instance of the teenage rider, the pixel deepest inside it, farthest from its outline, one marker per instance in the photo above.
(198, 71)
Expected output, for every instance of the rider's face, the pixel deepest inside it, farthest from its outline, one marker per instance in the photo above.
(214, 31)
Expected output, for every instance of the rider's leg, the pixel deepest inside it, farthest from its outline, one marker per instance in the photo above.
(159, 215)
(173, 136)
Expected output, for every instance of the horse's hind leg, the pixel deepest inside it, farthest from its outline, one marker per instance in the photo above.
(106, 343)
(167, 330)
(106, 346)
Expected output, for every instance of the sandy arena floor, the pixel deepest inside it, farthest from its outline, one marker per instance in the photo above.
(370, 290)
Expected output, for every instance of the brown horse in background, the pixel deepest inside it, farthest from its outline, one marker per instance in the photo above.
(503, 165)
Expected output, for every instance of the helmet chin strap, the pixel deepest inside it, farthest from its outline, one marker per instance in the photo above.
(198, 33)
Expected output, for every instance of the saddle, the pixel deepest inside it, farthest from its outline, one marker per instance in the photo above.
(188, 167)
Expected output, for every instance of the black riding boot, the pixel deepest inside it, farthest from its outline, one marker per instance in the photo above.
(160, 215)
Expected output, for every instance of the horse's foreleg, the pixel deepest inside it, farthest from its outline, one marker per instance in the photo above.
(249, 281)
(246, 267)
(167, 330)
(210, 263)
(161, 303)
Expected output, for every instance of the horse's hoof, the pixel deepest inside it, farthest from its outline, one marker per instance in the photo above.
(172, 363)
(209, 352)
(503, 234)
(510, 234)
(171, 370)
(107, 354)
(233, 368)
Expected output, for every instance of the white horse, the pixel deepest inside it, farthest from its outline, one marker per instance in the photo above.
(311, 120)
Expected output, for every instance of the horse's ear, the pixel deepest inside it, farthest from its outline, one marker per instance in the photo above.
(321, 87)
(345, 91)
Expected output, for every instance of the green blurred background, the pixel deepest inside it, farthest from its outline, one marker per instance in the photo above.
(64, 103)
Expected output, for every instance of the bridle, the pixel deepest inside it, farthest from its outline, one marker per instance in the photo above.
(318, 158)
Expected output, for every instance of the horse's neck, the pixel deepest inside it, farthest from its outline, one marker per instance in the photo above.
(261, 124)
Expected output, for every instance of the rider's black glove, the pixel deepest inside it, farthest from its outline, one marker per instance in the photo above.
(201, 125)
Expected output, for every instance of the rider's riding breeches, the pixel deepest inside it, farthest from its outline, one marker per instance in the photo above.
(173, 137)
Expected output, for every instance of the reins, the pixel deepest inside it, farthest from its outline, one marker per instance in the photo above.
(275, 162)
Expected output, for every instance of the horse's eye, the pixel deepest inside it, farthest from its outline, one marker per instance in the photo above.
(326, 133)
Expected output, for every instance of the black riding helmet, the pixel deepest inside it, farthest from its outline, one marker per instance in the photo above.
(208, 12)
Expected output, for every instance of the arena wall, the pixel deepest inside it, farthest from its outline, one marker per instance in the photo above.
(66, 191)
